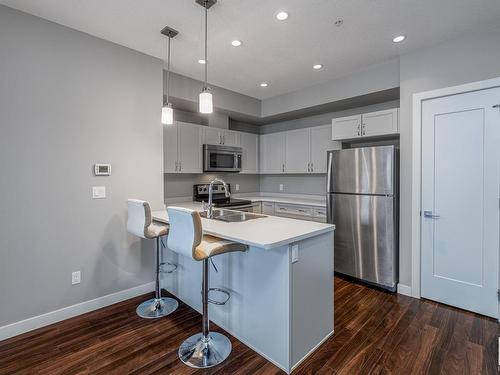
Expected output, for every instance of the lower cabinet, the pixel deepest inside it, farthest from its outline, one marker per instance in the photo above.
(294, 211)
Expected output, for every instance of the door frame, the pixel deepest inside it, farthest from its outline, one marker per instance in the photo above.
(416, 181)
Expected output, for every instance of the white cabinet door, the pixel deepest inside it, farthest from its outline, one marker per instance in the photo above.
(380, 123)
(189, 148)
(272, 153)
(321, 143)
(170, 148)
(346, 128)
(212, 136)
(268, 208)
(297, 153)
(250, 158)
(230, 138)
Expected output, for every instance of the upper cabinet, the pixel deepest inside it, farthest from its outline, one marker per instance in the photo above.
(250, 159)
(297, 151)
(215, 136)
(182, 148)
(272, 153)
(320, 143)
(371, 124)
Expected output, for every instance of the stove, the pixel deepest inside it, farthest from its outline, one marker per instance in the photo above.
(219, 199)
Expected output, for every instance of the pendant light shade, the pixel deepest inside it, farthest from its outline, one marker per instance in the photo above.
(167, 114)
(206, 103)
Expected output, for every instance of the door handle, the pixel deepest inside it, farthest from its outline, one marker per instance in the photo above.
(431, 215)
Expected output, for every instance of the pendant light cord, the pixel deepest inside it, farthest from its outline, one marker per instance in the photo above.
(168, 69)
(206, 37)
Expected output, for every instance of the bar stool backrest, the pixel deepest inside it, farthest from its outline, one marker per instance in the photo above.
(139, 217)
(185, 230)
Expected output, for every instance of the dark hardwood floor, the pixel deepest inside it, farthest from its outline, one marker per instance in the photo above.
(375, 333)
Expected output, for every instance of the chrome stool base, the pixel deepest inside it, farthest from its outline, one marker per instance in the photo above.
(156, 308)
(200, 352)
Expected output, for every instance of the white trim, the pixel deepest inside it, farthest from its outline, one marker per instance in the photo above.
(55, 316)
(404, 290)
(418, 98)
(312, 350)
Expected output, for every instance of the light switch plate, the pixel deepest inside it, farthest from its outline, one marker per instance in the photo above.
(237, 187)
(98, 192)
(295, 253)
(281, 187)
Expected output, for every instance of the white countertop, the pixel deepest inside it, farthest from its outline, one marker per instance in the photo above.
(267, 232)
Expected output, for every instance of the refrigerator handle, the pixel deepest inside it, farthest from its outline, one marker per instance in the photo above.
(329, 208)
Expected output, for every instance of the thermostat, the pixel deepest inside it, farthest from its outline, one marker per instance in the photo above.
(102, 169)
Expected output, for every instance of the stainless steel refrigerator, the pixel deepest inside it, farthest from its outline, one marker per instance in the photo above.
(362, 202)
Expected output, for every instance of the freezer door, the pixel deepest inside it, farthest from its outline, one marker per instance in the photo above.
(365, 237)
(366, 170)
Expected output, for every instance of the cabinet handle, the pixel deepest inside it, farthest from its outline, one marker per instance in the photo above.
(364, 129)
(220, 139)
(223, 139)
(312, 167)
(176, 166)
(180, 166)
(302, 210)
(359, 129)
(283, 167)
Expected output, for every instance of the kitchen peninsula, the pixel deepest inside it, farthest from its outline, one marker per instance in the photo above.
(281, 289)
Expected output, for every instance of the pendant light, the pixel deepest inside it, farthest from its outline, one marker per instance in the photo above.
(205, 101)
(167, 112)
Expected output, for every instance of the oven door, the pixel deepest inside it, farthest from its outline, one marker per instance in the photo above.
(221, 159)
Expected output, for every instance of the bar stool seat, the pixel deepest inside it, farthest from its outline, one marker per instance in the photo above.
(140, 223)
(211, 246)
(205, 349)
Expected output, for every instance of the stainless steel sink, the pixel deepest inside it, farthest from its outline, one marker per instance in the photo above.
(232, 216)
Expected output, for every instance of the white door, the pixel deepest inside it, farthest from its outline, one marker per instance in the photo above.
(213, 136)
(297, 153)
(346, 128)
(170, 148)
(380, 123)
(190, 155)
(272, 153)
(250, 152)
(460, 200)
(230, 138)
(321, 143)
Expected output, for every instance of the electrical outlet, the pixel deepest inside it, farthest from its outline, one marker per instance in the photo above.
(237, 187)
(295, 253)
(281, 187)
(76, 277)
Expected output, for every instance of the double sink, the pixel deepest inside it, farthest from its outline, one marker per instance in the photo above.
(231, 216)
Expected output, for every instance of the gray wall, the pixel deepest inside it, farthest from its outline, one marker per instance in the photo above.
(67, 101)
(470, 58)
(372, 79)
(294, 184)
(181, 185)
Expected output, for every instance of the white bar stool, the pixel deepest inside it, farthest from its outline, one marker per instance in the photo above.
(141, 224)
(205, 349)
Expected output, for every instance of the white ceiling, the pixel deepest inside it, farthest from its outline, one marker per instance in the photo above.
(281, 53)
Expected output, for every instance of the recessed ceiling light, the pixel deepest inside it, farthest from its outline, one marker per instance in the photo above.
(339, 22)
(399, 38)
(282, 16)
(236, 43)
(317, 66)
(264, 84)
(201, 61)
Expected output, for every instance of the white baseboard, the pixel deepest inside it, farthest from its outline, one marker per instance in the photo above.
(55, 316)
(405, 290)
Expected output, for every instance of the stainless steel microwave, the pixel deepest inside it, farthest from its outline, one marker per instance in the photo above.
(221, 158)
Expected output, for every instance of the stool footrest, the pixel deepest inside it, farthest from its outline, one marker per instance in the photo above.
(173, 267)
(219, 290)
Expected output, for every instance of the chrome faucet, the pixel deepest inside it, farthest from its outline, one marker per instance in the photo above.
(210, 205)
